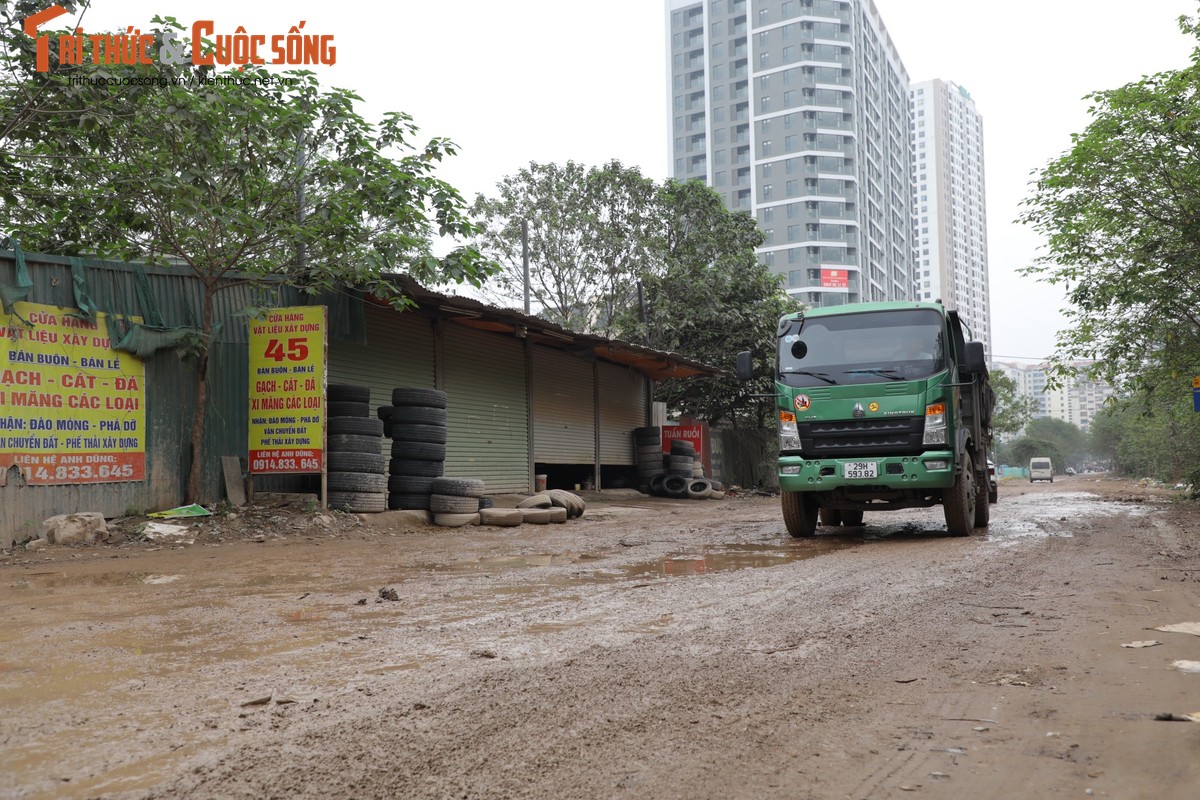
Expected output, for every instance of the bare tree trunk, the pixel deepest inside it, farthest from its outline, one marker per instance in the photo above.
(192, 491)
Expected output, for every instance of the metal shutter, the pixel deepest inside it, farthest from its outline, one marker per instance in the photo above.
(564, 404)
(488, 404)
(622, 408)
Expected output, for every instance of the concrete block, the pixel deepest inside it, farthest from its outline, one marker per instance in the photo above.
(83, 527)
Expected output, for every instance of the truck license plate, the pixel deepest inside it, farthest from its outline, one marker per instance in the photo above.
(861, 469)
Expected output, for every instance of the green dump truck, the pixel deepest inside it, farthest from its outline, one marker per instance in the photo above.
(881, 406)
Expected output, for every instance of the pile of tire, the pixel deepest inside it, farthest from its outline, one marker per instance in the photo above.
(648, 453)
(684, 476)
(416, 424)
(456, 502)
(356, 477)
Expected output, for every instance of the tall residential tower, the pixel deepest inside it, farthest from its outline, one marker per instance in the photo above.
(948, 194)
(798, 112)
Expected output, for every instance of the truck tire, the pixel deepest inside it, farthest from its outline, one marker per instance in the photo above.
(852, 519)
(831, 517)
(959, 502)
(799, 514)
(983, 509)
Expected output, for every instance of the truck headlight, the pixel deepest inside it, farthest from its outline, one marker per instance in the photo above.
(789, 436)
(935, 424)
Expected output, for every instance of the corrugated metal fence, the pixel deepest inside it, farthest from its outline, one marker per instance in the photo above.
(170, 391)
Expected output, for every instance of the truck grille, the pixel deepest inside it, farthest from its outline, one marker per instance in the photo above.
(893, 436)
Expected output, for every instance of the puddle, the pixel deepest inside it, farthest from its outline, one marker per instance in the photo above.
(1046, 515)
(726, 558)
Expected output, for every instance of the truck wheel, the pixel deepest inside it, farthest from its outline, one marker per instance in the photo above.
(852, 519)
(983, 511)
(959, 502)
(831, 517)
(799, 514)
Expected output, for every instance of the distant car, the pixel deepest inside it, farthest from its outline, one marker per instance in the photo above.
(993, 486)
(1041, 469)
(1070, 470)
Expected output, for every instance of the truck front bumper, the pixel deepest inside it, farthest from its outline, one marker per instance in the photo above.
(933, 469)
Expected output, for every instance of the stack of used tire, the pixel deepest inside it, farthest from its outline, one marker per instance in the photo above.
(684, 476)
(648, 452)
(457, 501)
(356, 470)
(416, 424)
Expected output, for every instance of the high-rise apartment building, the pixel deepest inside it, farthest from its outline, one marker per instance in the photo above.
(1077, 401)
(797, 111)
(948, 195)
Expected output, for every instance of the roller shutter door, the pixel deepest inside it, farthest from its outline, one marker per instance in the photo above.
(487, 403)
(564, 420)
(399, 352)
(622, 408)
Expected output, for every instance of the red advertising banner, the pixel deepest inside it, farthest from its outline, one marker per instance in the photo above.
(835, 279)
(690, 431)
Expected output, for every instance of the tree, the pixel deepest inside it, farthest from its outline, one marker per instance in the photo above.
(1012, 411)
(1068, 440)
(1120, 212)
(1156, 436)
(246, 178)
(589, 237)
(713, 300)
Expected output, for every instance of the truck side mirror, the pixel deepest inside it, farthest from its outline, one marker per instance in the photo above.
(745, 366)
(974, 360)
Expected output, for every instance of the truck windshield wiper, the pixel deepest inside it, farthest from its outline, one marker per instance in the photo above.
(818, 375)
(891, 374)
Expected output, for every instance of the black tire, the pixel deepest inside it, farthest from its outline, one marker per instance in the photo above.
(799, 514)
(852, 519)
(453, 504)
(656, 484)
(345, 408)
(463, 487)
(414, 468)
(422, 451)
(486, 502)
(647, 450)
(358, 426)
(361, 482)
(501, 517)
(456, 520)
(959, 502)
(358, 462)
(412, 396)
(994, 496)
(675, 486)
(651, 431)
(410, 484)
(419, 415)
(681, 448)
(359, 502)
(348, 393)
(682, 462)
(983, 509)
(831, 517)
(648, 441)
(349, 443)
(418, 502)
(419, 433)
(384, 412)
(699, 489)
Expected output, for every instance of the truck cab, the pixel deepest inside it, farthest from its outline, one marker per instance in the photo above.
(880, 406)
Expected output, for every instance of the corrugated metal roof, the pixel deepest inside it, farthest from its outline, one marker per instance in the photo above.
(655, 364)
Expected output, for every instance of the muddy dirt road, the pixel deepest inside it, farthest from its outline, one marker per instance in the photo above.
(652, 649)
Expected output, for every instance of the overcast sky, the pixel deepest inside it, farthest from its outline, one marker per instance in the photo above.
(549, 80)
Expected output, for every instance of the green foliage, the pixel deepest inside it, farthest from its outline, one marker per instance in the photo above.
(1120, 212)
(712, 300)
(1021, 450)
(591, 235)
(1154, 436)
(1067, 438)
(1013, 411)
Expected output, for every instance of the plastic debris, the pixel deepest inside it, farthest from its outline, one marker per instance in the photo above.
(182, 511)
(1143, 643)
(1181, 627)
(1192, 667)
(167, 533)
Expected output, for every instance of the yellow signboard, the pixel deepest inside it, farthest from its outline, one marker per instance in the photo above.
(1196, 381)
(287, 390)
(72, 409)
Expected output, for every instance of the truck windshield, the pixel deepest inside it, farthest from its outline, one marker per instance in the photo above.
(869, 347)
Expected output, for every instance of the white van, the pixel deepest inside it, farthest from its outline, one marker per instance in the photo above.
(1040, 469)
